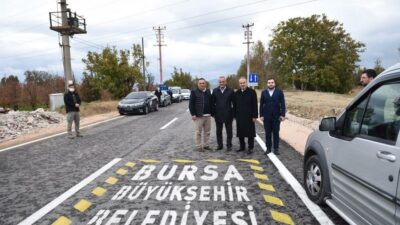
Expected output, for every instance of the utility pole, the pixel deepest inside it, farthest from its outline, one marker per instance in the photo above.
(67, 24)
(248, 35)
(160, 42)
(144, 64)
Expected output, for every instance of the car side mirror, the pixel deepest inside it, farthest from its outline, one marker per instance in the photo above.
(328, 124)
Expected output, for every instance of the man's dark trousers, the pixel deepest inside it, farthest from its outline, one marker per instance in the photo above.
(243, 143)
(228, 128)
(272, 126)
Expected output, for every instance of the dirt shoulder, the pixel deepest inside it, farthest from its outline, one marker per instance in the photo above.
(55, 129)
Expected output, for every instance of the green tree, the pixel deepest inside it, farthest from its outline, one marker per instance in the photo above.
(115, 71)
(259, 56)
(232, 81)
(89, 90)
(314, 53)
(180, 78)
(378, 66)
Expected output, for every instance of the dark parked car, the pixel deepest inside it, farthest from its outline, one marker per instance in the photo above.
(165, 99)
(138, 102)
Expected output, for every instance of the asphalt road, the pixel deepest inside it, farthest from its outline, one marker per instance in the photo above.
(129, 171)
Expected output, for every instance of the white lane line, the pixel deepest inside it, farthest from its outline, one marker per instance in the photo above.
(289, 178)
(53, 204)
(55, 135)
(169, 123)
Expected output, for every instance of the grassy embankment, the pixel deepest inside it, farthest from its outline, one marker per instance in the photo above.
(95, 108)
(314, 105)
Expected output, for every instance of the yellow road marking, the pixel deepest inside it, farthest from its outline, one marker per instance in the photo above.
(260, 176)
(281, 217)
(99, 191)
(217, 161)
(183, 161)
(273, 200)
(122, 171)
(254, 161)
(149, 161)
(267, 187)
(257, 168)
(62, 220)
(82, 205)
(130, 164)
(111, 180)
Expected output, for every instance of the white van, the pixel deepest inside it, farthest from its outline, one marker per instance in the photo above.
(176, 94)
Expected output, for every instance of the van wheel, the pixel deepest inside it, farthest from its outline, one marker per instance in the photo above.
(314, 180)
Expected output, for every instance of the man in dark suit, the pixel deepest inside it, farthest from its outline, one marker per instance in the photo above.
(272, 112)
(222, 106)
(246, 113)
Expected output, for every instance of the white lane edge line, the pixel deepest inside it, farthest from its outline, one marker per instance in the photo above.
(296, 186)
(57, 201)
(55, 135)
(169, 123)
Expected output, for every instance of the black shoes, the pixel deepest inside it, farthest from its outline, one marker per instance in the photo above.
(229, 148)
(250, 151)
(268, 151)
(276, 151)
(219, 148)
(240, 150)
(207, 148)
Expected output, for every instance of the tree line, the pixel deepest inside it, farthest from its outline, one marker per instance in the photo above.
(305, 53)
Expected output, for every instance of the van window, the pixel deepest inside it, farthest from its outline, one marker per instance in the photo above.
(382, 114)
(353, 119)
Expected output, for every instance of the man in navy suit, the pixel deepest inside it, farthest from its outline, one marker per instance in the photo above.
(272, 112)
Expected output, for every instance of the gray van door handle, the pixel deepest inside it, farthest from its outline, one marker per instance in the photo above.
(386, 156)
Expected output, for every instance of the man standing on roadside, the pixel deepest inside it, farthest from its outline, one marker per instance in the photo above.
(246, 113)
(367, 76)
(272, 112)
(222, 107)
(72, 102)
(200, 109)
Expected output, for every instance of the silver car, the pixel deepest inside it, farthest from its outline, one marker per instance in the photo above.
(352, 163)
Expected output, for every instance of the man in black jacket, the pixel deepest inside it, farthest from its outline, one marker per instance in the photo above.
(222, 107)
(246, 114)
(72, 103)
(200, 109)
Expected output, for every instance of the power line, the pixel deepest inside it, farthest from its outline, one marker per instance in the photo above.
(143, 12)
(229, 18)
(193, 17)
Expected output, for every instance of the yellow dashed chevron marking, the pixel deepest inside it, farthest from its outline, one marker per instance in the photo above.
(281, 217)
(266, 187)
(62, 220)
(82, 205)
(273, 200)
(150, 161)
(257, 168)
(130, 164)
(217, 161)
(254, 161)
(122, 171)
(99, 191)
(183, 161)
(260, 176)
(111, 180)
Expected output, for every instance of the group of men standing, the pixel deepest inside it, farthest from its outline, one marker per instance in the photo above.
(225, 105)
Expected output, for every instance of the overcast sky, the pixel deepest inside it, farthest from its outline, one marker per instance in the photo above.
(203, 37)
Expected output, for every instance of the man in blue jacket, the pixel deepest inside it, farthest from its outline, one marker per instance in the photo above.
(272, 112)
